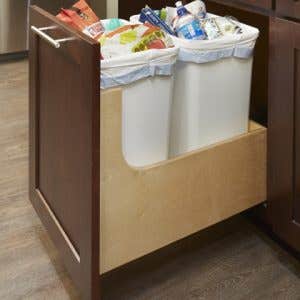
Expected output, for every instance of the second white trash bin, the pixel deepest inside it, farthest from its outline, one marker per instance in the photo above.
(212, 90)
(147, 85)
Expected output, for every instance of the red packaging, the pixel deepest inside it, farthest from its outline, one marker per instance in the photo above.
(65, 18)
(85, 12)
(83, 18)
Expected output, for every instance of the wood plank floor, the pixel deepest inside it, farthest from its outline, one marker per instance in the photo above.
(234, 261)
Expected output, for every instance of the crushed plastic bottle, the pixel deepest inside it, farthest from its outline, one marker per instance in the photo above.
(197, 8)
(187, 25)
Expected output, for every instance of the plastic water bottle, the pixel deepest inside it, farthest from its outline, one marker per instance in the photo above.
(188, 26)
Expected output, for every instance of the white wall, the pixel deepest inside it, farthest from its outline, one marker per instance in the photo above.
(112, 8)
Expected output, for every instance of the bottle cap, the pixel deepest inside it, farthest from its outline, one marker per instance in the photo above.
(181, 10)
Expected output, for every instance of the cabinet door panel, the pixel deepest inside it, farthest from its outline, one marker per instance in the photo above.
(128, 8)
(289, 8)
(284, 131)
(267, 4)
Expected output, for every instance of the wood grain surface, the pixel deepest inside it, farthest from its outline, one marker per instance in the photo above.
(234, 261)
(288, 8)
(284, 135)
(30, 268)
(64, 159)
(143, 209)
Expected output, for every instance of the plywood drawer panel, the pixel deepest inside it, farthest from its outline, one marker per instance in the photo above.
(144, 209)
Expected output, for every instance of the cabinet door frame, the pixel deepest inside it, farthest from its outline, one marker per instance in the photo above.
(266, 4)
(284, 131)
(288, 8)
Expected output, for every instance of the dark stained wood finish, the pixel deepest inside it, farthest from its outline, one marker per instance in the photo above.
(64, 131)
(266, 4)
(54, 6)
(284, 131)
(296, 211)
(288, 8)
(258, 7)
(129, 8)
(65, 146)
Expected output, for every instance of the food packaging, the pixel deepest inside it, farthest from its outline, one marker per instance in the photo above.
(83, 18)
(133, 38)
(211, 28)
(228, 26)
(148, 15)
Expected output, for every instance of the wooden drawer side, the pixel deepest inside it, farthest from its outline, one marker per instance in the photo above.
(145, 209)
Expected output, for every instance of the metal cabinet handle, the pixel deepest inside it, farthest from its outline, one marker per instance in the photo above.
(55, 43)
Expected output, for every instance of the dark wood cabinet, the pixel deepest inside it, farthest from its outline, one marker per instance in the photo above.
(266, 4)
(52, 6)
(129, 8)
(284, 131)
(278, 52)
(288, 8)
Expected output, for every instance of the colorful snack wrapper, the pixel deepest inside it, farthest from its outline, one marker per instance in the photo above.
(228, 26)
(154, 40)
(133, 38)
(83, 18)
(148, 15)
(94, 30)
(66, 19)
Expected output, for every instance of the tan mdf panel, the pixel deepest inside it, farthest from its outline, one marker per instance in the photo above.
(144, 209)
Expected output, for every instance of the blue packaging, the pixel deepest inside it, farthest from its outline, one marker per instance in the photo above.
(191, 31)
(148, 15)
(188, 26)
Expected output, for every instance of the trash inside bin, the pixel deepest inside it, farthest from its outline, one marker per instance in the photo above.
(212, 79)
(140, 59)
(147, 84)
(212, 90)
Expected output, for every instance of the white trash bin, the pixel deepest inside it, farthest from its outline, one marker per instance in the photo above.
(147, 81)
(212, 90)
